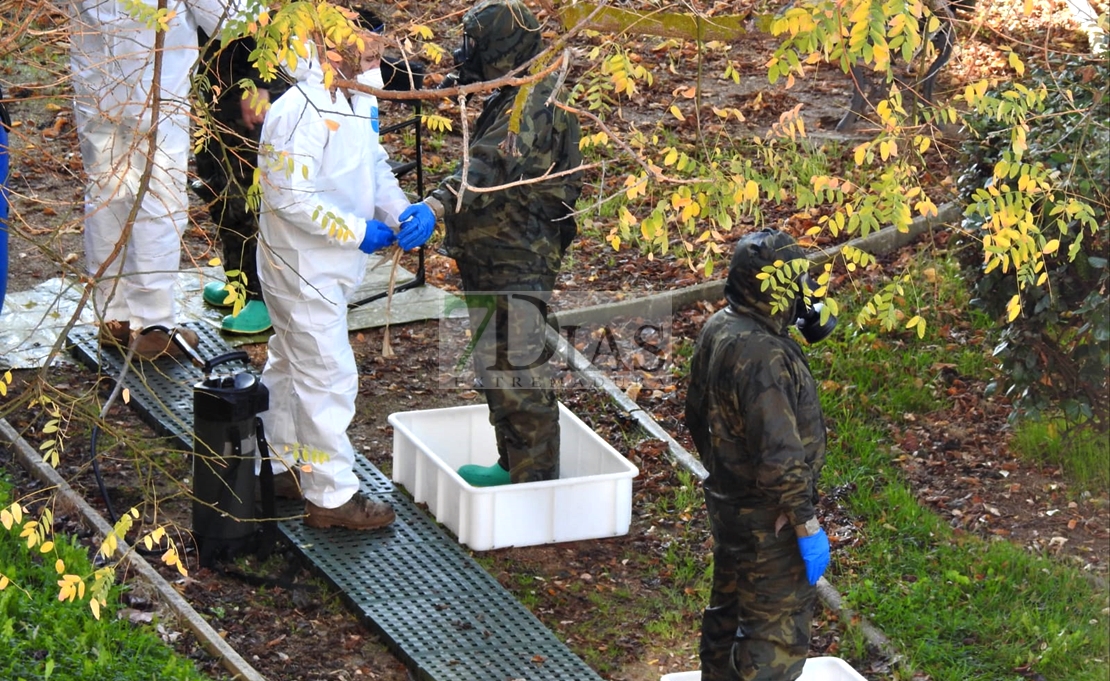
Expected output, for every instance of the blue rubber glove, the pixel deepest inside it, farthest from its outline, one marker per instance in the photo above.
(815, 553)
(378, 236)
(417, 224)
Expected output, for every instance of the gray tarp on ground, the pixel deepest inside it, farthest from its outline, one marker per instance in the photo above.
(32, 319)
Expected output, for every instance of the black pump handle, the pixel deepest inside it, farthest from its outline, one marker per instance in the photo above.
(233, 356)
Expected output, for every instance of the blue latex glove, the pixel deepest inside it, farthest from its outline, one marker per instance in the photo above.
(815, 553)
(417, 224)
(378, 236)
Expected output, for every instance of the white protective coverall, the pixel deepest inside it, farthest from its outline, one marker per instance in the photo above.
(340, 170)
(113, 67)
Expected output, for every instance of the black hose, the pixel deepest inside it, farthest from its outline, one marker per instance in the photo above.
(112, 517)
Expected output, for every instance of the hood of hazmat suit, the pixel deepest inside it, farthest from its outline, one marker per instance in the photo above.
(324, 173)
(744, 290)
(498, 37)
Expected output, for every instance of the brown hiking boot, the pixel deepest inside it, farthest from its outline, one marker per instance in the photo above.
(359, 513)
(286, 486)
(156, 343)
(115, 332)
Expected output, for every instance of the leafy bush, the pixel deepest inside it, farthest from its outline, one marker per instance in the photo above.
(1055, 353)
(43, 637)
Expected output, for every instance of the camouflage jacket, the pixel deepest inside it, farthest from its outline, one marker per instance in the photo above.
(529, 225)
(525, 228)
(753, 412)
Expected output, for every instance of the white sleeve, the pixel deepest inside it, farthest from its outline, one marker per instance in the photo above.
(292, 192)
(390, 200)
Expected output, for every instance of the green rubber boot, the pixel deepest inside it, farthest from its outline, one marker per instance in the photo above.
(216, 294)
(485, 476)
(253, 319)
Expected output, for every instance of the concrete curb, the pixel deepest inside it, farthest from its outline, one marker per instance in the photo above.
(883, 241)
(216, 646)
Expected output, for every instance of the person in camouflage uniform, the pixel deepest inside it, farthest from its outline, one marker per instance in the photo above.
(225, 169)
(753, 413)
(512, 239)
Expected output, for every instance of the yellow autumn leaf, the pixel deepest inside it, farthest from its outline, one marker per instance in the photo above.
(1016, 63)
(4, 581)
(861, 153)
(94, 605)
(859, 13)
(126, 396)
(59, 566)
(300, 49)
(1013, 308)
(914, 321)
(1051, 247)
(1019, 144)
(636, 187)
(926, 207)
(676, 112)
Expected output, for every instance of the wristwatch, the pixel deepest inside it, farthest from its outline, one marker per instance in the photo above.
(810, 528)
(435, 205)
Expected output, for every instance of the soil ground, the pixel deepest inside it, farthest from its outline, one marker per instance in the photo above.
(957, 459)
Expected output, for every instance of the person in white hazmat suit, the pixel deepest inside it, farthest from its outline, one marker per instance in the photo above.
(339, 175)
(112, 59)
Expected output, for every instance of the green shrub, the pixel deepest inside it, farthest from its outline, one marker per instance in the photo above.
(1056, 355)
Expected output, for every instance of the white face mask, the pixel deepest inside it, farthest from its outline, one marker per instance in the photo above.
(374, 78)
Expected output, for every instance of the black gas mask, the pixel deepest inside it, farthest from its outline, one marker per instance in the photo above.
(808, 315)
(468, 63)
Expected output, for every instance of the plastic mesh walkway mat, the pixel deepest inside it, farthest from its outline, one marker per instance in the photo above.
(435, 606)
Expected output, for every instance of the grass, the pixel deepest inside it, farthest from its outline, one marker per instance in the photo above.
(42, 638)
(1083, 455)
(959, 608)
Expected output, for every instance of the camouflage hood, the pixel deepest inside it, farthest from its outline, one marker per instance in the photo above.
(505, 34)
(743, 292)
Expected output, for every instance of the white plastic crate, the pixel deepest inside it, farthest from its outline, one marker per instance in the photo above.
(591, 499)
(816, 669)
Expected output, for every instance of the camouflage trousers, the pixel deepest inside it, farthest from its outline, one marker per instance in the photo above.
(508, 319)
(757, 625)
(225, 166)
